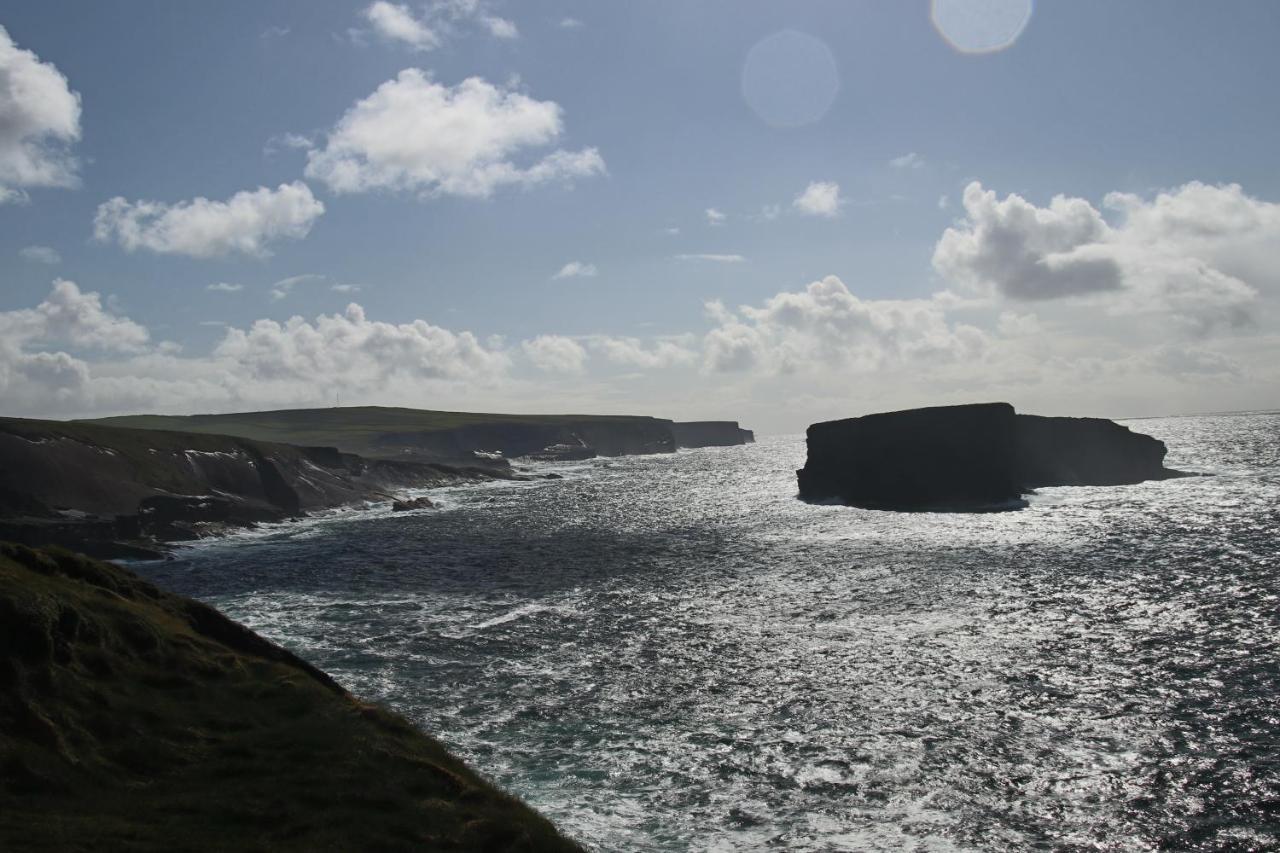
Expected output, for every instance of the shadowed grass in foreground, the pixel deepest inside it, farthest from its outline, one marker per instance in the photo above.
(134, 719)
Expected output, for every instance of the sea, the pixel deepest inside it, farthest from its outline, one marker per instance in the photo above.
(674, 653)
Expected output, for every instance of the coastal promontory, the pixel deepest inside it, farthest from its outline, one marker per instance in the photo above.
(135, 719)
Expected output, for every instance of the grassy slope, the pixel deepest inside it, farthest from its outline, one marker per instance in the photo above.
(354, 429)
(133, 719)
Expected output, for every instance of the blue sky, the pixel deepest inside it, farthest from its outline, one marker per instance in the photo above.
(1120, 308)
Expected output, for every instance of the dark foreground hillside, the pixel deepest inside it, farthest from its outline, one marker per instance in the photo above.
(134, 719)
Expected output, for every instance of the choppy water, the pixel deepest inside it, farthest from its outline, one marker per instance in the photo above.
(673, 653)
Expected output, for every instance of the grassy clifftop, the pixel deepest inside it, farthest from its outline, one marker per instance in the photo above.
(355, 429)
(134, 719)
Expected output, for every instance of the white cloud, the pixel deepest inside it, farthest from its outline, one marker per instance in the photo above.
(414, 134)
(501, 28)
(245, 223)
(289, 141)
(40, 254)
(715, 217)
(714, 258)
(820, 198)
(826, 325)
(555, 354)
(910, 160)
(39, 120)
(285, 286)
(1199, 253)
(570, 23)
(577, 269)
(943, 202)
(345, 288)
(347, 348)
(395, 22)
(433, 24)
(224, 287)
(648, 355)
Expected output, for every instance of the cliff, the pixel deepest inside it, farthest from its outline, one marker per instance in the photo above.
(110, 490)
(974, 457)
(134, 719)
(710, 434)
(1086, 452)
(449, 437)
(948, 456)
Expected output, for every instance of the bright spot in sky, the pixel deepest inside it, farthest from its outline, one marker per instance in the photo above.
(980, 26)
(790, 79)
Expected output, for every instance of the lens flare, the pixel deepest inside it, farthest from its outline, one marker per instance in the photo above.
(790, 79)
(980, 26)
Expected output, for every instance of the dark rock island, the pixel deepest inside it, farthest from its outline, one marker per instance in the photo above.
(975, 457)
(135, 719)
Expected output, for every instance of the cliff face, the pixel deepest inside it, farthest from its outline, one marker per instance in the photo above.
(568, 439)
(449, 437)
(710, 434)
(979, 456)
(1086, 452)
(134, 719)
(946, 456)
(91, 486)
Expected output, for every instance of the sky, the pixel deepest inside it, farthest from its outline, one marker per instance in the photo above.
(772, 212)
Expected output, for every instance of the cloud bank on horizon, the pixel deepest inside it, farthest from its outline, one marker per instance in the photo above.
(1123, 298)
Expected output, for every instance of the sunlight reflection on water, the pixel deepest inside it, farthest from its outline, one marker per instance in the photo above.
(673, 653)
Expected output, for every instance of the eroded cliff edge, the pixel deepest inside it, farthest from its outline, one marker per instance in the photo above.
(131, 718)
(982, 456)
(114, 492)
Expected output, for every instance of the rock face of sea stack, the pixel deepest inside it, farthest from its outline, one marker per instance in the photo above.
(975, 457)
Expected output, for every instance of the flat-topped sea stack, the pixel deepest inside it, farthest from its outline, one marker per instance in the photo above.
(692, 434)
(976, 457)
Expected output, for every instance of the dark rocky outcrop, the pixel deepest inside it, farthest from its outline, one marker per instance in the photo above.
(116, 492)
(1086, 452)
(710, 434)
(134, 719)
(950, 456)
(410, 504)
(975, 457)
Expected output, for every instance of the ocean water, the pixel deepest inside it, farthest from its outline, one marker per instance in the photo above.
(674, 653)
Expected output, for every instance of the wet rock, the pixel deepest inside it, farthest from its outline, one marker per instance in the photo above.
(410, 504)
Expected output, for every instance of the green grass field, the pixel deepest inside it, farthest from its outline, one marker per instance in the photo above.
(134, 719)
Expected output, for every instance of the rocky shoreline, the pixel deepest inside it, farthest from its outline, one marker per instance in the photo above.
(114, 489)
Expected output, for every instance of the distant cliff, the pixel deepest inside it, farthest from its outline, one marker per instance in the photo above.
(109, 490)
(710, 434)
(980, 456)
(449, 437)
(134, 719)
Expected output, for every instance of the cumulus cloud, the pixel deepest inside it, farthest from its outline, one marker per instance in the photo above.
(825, 324)
(41, 254)
(414, 134)
(577, 269)
(224, 287)
(556, 354)
(820, 198)
(348, 348)
(1199, 253)
(647, 355)
(910, 160)
(433, 23)
(715, 217)
(395, 22)
(245, 223)
(39, 121)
